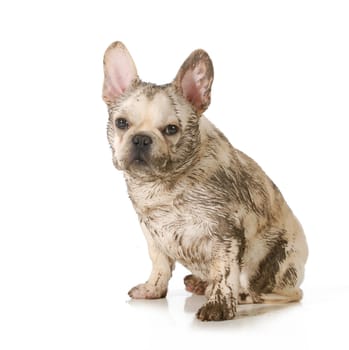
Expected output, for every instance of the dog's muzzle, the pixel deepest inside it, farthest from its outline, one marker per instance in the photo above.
(141, 146)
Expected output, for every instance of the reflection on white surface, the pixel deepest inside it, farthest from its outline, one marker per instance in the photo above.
(70, 243)
(295, 326)
(190, 304)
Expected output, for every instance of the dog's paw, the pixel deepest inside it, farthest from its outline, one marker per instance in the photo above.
(147, 291)
(195, 285)
(216, 311)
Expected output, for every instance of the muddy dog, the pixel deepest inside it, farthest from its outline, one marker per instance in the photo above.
(199, 200)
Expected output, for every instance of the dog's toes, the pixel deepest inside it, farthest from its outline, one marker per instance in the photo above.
(195, 285)
(146, 291)
(245, 298)
(213, 311)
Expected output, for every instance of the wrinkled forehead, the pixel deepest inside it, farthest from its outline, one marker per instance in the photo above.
(153, 108)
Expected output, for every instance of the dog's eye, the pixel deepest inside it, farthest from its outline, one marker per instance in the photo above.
(171, 130)
(121, 123)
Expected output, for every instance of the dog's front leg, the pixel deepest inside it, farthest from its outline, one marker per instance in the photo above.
(223, 287)
(162, 266)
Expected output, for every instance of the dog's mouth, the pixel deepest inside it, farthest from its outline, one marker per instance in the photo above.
(140, 162)
(144, 164)
(138, 159)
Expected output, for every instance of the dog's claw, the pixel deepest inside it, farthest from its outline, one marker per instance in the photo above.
(214, 311)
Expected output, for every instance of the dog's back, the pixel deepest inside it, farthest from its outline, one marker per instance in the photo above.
(274, 249)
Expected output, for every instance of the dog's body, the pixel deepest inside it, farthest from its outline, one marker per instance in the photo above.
(199, 200)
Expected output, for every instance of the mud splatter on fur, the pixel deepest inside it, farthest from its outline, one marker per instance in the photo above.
(200, 201)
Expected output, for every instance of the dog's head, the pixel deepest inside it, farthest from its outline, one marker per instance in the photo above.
(154, 130)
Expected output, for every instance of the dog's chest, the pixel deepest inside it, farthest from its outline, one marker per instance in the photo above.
(180, 230)
(181, 236)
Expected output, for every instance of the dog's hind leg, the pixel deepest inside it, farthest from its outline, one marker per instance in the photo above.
(281, 297)
(195, 285)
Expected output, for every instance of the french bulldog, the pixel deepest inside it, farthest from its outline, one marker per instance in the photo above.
(199, 200)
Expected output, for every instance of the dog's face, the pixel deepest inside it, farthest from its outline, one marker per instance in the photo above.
(153, 130)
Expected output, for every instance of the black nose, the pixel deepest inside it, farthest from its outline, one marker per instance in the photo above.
(142, 141)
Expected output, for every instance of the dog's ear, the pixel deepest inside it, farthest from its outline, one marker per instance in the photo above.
(194, 80)
(119, 71)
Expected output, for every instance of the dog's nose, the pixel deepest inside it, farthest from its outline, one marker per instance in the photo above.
(142, 141)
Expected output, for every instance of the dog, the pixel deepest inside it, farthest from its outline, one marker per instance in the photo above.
(200, 201)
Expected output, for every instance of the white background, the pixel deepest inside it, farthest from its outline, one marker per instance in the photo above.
(70, 245)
